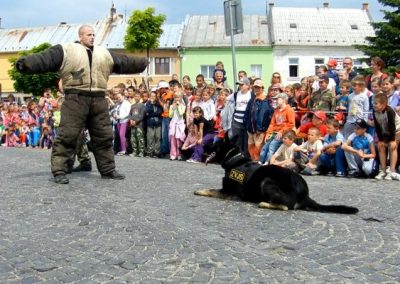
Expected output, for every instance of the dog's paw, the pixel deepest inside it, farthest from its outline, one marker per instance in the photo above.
(203, 192)
(273, 206)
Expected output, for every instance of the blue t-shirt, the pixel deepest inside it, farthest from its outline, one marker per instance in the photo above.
(328, 139)
(361, 142)
(343, 101)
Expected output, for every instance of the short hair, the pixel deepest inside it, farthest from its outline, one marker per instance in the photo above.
(345, 83)
(376, 80)
(81, 28)
(200, 76)
(358, 80)
(290, 134)
(381, 98)
(317, 132)
(389, 79)
(334, 122)
(323, 67)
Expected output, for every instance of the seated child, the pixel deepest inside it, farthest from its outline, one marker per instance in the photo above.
(46, 139)
(332, 159)
(387, 126)
(307, 154)
(318, 120)
(190, 141)
(359, 150)
(284, 155)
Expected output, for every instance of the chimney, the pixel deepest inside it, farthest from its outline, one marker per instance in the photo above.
(269, 7)
(326, 4)
(365, 6)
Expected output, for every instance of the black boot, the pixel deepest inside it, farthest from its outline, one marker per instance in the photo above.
(61, 179)
(113, 175)
(83, 168)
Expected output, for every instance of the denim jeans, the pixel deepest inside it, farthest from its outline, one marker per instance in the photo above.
(164, 136)
(333, 162)
(269, 149)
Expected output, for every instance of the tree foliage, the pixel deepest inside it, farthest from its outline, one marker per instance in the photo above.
(386, 43)
(32, 83)
(143, 30)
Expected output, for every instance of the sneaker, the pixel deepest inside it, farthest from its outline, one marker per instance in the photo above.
(180, 158)
(121, 153)
(380, 175)
(388, 175)
(353, 174)
(395, 176)
(113, 175)
(340, 174)
(314, 172)
(306, 171)
(61, 179)
(172, 158)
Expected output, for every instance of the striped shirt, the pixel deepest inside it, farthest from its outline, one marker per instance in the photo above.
(241, 104)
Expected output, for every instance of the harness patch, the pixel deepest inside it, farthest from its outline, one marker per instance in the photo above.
(237, 175)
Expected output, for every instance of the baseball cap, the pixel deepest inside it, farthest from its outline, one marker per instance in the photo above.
(361, 123)
(320, 114)
(259, 83)
(323, 77)
(332, 62)
(281, 96)
(162, 84)
(243, 81)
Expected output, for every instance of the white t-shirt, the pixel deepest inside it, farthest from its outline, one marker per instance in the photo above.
(284, 152)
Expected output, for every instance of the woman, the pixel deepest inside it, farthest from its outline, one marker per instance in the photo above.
(377, 65)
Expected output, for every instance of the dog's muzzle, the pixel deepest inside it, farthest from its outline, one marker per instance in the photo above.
(211, 157)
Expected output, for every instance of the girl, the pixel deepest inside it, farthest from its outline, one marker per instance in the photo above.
(12, 139)
(190, 141)
(206, 134)
(196, 101)
(46, 140)
(34, 124)
(219, 106)
(393, 96)
(176, 127)
(208, 105)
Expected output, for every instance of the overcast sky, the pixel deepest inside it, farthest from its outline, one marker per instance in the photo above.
(36, 13)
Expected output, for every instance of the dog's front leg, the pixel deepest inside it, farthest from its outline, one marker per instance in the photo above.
(211, 193)
(273, 206)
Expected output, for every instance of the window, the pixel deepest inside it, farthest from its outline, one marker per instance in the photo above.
(162, 65)
(293, 25)
(256, 70)
(293, 67)
(207, 71)
(354, 27)
(318, 62)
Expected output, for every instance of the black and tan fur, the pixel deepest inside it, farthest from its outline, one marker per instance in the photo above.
(272, 187)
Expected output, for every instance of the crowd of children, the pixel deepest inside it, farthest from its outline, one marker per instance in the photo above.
(330, 124)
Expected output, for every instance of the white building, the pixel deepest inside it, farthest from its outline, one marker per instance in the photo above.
(304, 38)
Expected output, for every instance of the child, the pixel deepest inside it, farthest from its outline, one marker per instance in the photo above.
(46, 139)
(332, 159)
(387, 125)
(153, 121)
(318, 120)
(359, 150)
(137, 113)
(205, 136)
(283, 119)
(190, 141)
(358, 105)
(284, 155)
(342, 103)
(219, 106)
(11, 139)
(307, 154)
(196, 101)
(389, 90)
(176, 127)
(208, 105)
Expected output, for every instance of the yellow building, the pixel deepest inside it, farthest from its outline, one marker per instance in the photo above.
(110, 32)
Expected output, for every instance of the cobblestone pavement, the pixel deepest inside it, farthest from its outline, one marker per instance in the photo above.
(150, 228)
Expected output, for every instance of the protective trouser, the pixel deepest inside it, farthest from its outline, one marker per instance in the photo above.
(78, 112)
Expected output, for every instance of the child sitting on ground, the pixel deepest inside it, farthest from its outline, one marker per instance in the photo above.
(284, 155)
(359, 150)
(387, 126)
(332, 159)
(307, 154)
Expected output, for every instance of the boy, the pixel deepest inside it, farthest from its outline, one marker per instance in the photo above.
(307, 154)
(284, 155)
(318, 121)
(387, 126)
(358, 105)
(359, 150)
(138, 111)
(342, 105)
(332, 158)
(283, 119)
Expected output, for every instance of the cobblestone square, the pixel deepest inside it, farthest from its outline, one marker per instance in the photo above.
(150, 228)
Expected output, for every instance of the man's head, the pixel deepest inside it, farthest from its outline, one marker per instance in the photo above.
(323, 81)
(86, 35)
(218, 76)
(318, 118)
(348, 64)
(244, 84)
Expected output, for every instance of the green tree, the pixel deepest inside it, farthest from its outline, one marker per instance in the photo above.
(386, 43)
(32, 83)
(143, 30)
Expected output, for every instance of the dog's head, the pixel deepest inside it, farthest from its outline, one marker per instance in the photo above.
(221, 149)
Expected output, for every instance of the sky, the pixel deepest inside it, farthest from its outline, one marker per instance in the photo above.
(37, 13)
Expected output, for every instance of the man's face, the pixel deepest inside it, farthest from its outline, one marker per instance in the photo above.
(323, 84)
(86, 37)
(244, 88)
(200, 82)
(347, 64)
(219, 76)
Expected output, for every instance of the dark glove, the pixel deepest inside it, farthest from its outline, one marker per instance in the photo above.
(20, 65)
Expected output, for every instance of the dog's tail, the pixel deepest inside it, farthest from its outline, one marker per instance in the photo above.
(312, 205)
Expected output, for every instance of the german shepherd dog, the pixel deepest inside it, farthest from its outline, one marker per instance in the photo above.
(270, 186)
